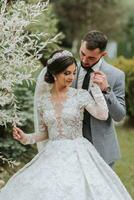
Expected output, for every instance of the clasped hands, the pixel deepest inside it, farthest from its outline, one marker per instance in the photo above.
(101, 80)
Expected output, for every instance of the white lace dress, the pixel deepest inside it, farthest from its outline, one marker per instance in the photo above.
(68, 167)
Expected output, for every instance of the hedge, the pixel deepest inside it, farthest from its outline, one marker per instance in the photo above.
(127, 65)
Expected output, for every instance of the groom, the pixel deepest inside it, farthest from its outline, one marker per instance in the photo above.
(112, 83)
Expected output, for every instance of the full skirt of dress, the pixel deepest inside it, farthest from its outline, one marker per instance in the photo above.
(65, 170)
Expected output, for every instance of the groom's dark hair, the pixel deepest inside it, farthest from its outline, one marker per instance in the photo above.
(95, 39)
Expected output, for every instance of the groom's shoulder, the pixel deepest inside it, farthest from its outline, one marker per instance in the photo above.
(109, 68)
(79, 91)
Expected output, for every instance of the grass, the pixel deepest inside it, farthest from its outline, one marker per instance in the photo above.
(125, 166)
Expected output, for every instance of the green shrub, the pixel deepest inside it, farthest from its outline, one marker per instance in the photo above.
(127, 65)
(14, 150)
(19, 59)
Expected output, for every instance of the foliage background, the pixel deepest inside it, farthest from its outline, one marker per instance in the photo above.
(26, 42)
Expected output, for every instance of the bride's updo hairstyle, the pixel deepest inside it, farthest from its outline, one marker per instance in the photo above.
(57, 63)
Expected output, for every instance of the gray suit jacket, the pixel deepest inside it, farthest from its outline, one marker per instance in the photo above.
(103, 132)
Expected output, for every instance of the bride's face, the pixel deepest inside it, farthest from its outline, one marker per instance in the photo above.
(66, 78)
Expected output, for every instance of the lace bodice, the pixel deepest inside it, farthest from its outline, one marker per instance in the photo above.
(67, 122)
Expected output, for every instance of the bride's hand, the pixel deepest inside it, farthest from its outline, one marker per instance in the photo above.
(19, 135)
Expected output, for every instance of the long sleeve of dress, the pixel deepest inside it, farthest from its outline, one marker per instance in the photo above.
(94, 103)
(41, 129)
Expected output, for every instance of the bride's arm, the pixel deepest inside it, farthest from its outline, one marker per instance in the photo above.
(24, 138)
(42, 133)
(95, 103)
(99, 108)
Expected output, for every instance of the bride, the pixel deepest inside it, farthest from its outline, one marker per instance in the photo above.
(68, 167)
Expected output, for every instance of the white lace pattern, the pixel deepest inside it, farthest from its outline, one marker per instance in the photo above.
(68, 167)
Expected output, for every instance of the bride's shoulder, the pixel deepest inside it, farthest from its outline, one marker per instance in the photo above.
(43, 98)
(83, 97)
(82, 92)
(79, 92)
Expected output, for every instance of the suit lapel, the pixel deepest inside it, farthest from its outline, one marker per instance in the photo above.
(80, 79)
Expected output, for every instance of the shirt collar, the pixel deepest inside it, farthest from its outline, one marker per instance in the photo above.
(96, 67)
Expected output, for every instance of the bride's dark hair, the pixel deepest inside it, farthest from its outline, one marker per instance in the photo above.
(58, 65)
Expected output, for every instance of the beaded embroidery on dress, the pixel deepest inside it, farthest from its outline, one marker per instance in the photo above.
(68, 167)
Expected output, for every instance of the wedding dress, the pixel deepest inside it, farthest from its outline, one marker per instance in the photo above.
(68, 167)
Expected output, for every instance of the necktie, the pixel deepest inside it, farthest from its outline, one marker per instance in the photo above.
(86, 120)
(86, 79)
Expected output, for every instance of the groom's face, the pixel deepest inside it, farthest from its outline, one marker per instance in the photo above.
(89, 57)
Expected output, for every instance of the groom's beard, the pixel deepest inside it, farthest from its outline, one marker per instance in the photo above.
(90, 66)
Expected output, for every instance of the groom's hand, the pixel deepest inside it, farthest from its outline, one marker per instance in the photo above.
(100, 78)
